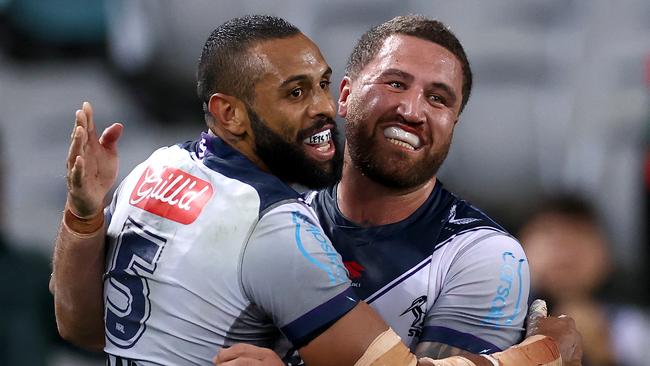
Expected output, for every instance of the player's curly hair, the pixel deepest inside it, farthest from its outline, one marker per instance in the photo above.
(418, 26)
(225, 65)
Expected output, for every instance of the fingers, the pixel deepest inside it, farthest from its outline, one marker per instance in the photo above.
(79, 137)
(565, 334)
(76, 174)
(76, 146)
(88, 112)
(242, 350)
(538, 310)
(110, 136)
(80, 119)
(240, 362)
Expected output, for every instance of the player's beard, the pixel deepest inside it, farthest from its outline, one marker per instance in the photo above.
(288, 161)
(395, 169)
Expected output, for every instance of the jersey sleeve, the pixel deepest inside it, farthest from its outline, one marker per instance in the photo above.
(291, 271)
(483, 301)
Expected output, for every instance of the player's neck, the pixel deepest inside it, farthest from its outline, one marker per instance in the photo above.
(243, 145)
(369, 203)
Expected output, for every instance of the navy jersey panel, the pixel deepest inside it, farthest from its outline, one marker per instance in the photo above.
(385, 252)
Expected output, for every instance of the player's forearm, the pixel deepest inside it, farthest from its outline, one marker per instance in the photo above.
(465, 360)
(537, 350)
(78, 265)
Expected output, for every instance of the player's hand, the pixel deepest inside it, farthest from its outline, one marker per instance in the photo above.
(562, 329)
(242, 354)
(92, 163)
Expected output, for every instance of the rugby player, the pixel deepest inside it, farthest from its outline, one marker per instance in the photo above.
(205, 247)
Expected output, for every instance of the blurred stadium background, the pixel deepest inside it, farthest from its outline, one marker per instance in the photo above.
(560, 105)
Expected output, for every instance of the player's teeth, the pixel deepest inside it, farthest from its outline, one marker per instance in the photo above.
(401, 143)
(323, 147)
(319, 138)
(399, 134)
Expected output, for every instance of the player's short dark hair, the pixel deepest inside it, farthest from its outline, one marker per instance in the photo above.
(226, 66)
(411, 25)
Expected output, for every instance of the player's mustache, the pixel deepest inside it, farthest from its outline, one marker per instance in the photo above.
(318, 124)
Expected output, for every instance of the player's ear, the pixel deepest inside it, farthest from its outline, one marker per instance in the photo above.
(229, 113)
(344, 93)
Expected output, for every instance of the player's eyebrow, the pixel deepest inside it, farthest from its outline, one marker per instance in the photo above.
(397, 73)
(407, 77)
(304, 77)
(327, 73)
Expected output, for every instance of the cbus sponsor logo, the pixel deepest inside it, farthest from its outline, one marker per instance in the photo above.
(510, 279)
(171, 193)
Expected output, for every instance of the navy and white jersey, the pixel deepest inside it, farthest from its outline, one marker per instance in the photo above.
(206, 250)
(446, 274)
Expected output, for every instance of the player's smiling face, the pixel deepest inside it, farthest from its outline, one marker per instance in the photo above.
(292, 113)
(401, 110)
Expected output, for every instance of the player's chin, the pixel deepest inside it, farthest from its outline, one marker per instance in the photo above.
(323, 174)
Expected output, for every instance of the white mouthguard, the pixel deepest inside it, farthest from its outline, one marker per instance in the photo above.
(319, 138)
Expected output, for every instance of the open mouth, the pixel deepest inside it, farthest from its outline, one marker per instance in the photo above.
(400, 137)
(319, 140)
(320, 145)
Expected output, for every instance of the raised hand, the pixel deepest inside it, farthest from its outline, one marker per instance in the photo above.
(92, 164)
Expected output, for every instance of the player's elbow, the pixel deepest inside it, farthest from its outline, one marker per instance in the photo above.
(83, 339)
(83, 334)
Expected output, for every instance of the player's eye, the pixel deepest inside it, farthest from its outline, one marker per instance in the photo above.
(436, 98)
(396, 84)
(325, 84)
(296, 92)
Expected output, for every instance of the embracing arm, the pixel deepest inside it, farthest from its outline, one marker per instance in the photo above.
(554, 342)
(78, 259)
(360, 337)
(291, 272)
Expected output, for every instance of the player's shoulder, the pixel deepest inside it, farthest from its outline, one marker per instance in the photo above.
(221, 158)
(464, 222)
(292, 212)
(460, 215)
(226, 168)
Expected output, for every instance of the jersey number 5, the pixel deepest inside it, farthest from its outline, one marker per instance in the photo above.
(127, 289)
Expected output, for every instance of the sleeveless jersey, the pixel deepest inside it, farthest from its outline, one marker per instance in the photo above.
(446, 274)
(206, 250)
